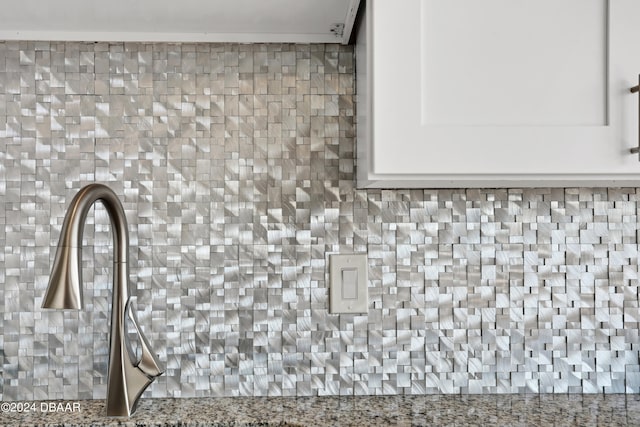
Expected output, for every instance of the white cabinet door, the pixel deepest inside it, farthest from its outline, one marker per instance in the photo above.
(497, 93)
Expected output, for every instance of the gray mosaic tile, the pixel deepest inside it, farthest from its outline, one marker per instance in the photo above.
(235, 165)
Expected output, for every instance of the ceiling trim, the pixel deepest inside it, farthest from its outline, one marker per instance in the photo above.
(212, 21)
(171, 37)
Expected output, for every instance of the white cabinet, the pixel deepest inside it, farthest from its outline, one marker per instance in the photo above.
(498, 93)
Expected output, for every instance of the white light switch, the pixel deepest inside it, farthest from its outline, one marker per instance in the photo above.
(349, 283)
(348, 287)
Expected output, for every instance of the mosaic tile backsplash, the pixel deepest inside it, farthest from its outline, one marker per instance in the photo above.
(235, 165)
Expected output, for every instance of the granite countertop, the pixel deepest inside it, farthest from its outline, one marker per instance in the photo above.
(438, 410)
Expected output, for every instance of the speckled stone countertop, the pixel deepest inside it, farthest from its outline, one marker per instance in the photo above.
(432, 410)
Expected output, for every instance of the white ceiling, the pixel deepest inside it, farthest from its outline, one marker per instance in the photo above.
(302, 21)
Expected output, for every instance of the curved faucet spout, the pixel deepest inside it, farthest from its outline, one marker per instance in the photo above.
(128, 377)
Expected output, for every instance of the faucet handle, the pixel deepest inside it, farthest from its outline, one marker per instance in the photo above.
(144, 358)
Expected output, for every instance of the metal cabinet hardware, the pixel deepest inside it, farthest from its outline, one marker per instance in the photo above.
(634, 90)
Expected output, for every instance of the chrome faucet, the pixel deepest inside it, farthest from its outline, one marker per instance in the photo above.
(128, 375)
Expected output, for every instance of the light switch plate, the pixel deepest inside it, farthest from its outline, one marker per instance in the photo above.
(348, 283)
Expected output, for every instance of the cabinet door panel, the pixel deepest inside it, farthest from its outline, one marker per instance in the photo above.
(513, 62)
(501, 93)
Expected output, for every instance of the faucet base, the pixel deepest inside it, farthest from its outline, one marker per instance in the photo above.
(123, 396)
